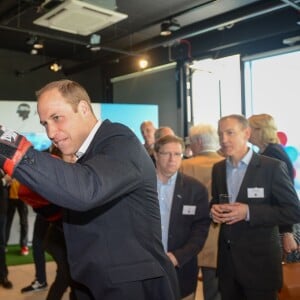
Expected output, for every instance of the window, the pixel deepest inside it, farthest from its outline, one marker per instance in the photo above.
(216, 89)
(272, 86)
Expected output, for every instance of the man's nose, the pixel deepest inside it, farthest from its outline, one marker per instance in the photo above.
(51, 132)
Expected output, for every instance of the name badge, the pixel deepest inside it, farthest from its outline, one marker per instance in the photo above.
(256, 192)
(189, 209)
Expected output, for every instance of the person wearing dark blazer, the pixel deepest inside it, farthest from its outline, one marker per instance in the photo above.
(184, 212)
(264, 136)
(111, 218)
(262, 198)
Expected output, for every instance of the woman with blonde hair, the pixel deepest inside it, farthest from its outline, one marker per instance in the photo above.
(264, 136)
(264, 131)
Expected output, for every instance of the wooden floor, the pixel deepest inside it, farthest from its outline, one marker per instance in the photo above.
(23, 275)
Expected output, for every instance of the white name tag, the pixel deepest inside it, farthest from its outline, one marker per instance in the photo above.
(189, 209)
(256, 192)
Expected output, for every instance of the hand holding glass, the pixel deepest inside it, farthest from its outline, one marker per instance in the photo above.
(224, 198)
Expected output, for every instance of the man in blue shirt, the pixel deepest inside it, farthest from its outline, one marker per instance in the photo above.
(262, 198)
(184, 212)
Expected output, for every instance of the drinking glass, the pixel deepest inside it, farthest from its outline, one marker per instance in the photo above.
(224, 198)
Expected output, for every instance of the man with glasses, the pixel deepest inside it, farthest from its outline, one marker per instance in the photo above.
(184, 212)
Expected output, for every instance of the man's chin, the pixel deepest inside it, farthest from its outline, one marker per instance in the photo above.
(226, 151)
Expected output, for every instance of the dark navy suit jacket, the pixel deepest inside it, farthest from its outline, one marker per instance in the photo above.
(276, 151)
(188, 229)
(255, 246)
(111, 214)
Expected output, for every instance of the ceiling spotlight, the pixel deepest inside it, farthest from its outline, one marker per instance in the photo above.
(55, 67)
(143, 63)
(38, 45)
(164, 29)
(167, 27)
(35, 42)
(33, 51)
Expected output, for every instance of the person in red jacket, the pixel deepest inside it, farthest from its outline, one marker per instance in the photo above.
(54, 241)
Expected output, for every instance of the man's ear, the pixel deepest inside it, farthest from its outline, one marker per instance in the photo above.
(248, 133)
(83, 107)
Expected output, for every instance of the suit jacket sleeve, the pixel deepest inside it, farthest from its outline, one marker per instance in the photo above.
(107, 171)
(280, 205)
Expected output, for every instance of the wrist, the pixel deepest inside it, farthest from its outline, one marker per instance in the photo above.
(10, 163)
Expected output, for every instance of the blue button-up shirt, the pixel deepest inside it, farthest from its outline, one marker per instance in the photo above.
(235, 175)
(165, 196)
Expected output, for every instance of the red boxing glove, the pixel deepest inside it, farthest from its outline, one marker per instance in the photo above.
(31, 198)
(40, 205)
(13, 147)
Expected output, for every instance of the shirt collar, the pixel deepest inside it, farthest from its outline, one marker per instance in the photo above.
(245, 160)
(88, 140)
(170, 181)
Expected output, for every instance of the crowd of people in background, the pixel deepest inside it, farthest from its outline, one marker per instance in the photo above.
(227, 146)
(150, 217)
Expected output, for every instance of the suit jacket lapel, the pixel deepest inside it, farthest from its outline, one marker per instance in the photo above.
(99, 137)
(222, 178)
(177, 201)
(249, 175)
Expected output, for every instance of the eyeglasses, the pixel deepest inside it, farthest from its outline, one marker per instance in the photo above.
(170, 154)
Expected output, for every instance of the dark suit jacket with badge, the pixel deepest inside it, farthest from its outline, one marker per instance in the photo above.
(188, 229)
(111, 214)
(254, 244)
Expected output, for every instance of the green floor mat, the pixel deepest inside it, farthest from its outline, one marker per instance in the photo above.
(14, 257)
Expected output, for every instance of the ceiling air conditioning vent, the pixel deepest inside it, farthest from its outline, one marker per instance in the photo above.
(78, 17)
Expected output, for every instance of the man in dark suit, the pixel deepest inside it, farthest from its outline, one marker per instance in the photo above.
(184, 211)
(111, 217)
(262, 198)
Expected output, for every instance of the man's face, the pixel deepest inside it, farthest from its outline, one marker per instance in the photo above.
(196, 145)
(168, 159)
(148, 131)
(233, 138)
(65, 127)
